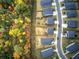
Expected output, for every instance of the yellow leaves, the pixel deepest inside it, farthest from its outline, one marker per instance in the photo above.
(19, 34)
(19, 1)
(13, 32)
(16, 21)
(20, 40)
(24, 25)
(20, 20)
(16, 55)
(23, 33)
(7, 43)
(0, 46)
(16, 32)
(16, 27)
(28, 20)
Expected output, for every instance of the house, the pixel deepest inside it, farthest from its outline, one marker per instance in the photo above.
(50, 31)
(72, 47)
(72, 24)
(47, 52)
(46, 41)
(76, 56)
(69, 1)
(47, 12)
(71, 13)
(71, 34)
(46, 3)
(49, 21)
(70, 5)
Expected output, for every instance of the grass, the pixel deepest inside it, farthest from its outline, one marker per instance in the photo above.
(40, 57)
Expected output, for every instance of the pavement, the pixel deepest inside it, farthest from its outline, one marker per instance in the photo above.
(59, 36)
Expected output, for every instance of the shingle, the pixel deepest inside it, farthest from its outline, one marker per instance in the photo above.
(47, 52)
(46, 41)
(50, 20)
(46, 3)
(71, 13)
(50, 31)
(47, 12)
(67, 1)
(76, 56)
(72, 24)
(70, 5)
(71, 34)
(72, 47)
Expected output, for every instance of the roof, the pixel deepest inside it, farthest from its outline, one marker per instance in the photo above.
(48, 12)
(67, 1)
(76, 56)
(50, 20)
(46, 41)
(72, 47)
(71, 13)
(71, 34)
(46, 3)
(47, 52)
(72, 23)
(70, 5)
(50, 31)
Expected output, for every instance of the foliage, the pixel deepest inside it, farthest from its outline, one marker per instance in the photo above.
(14, 30)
